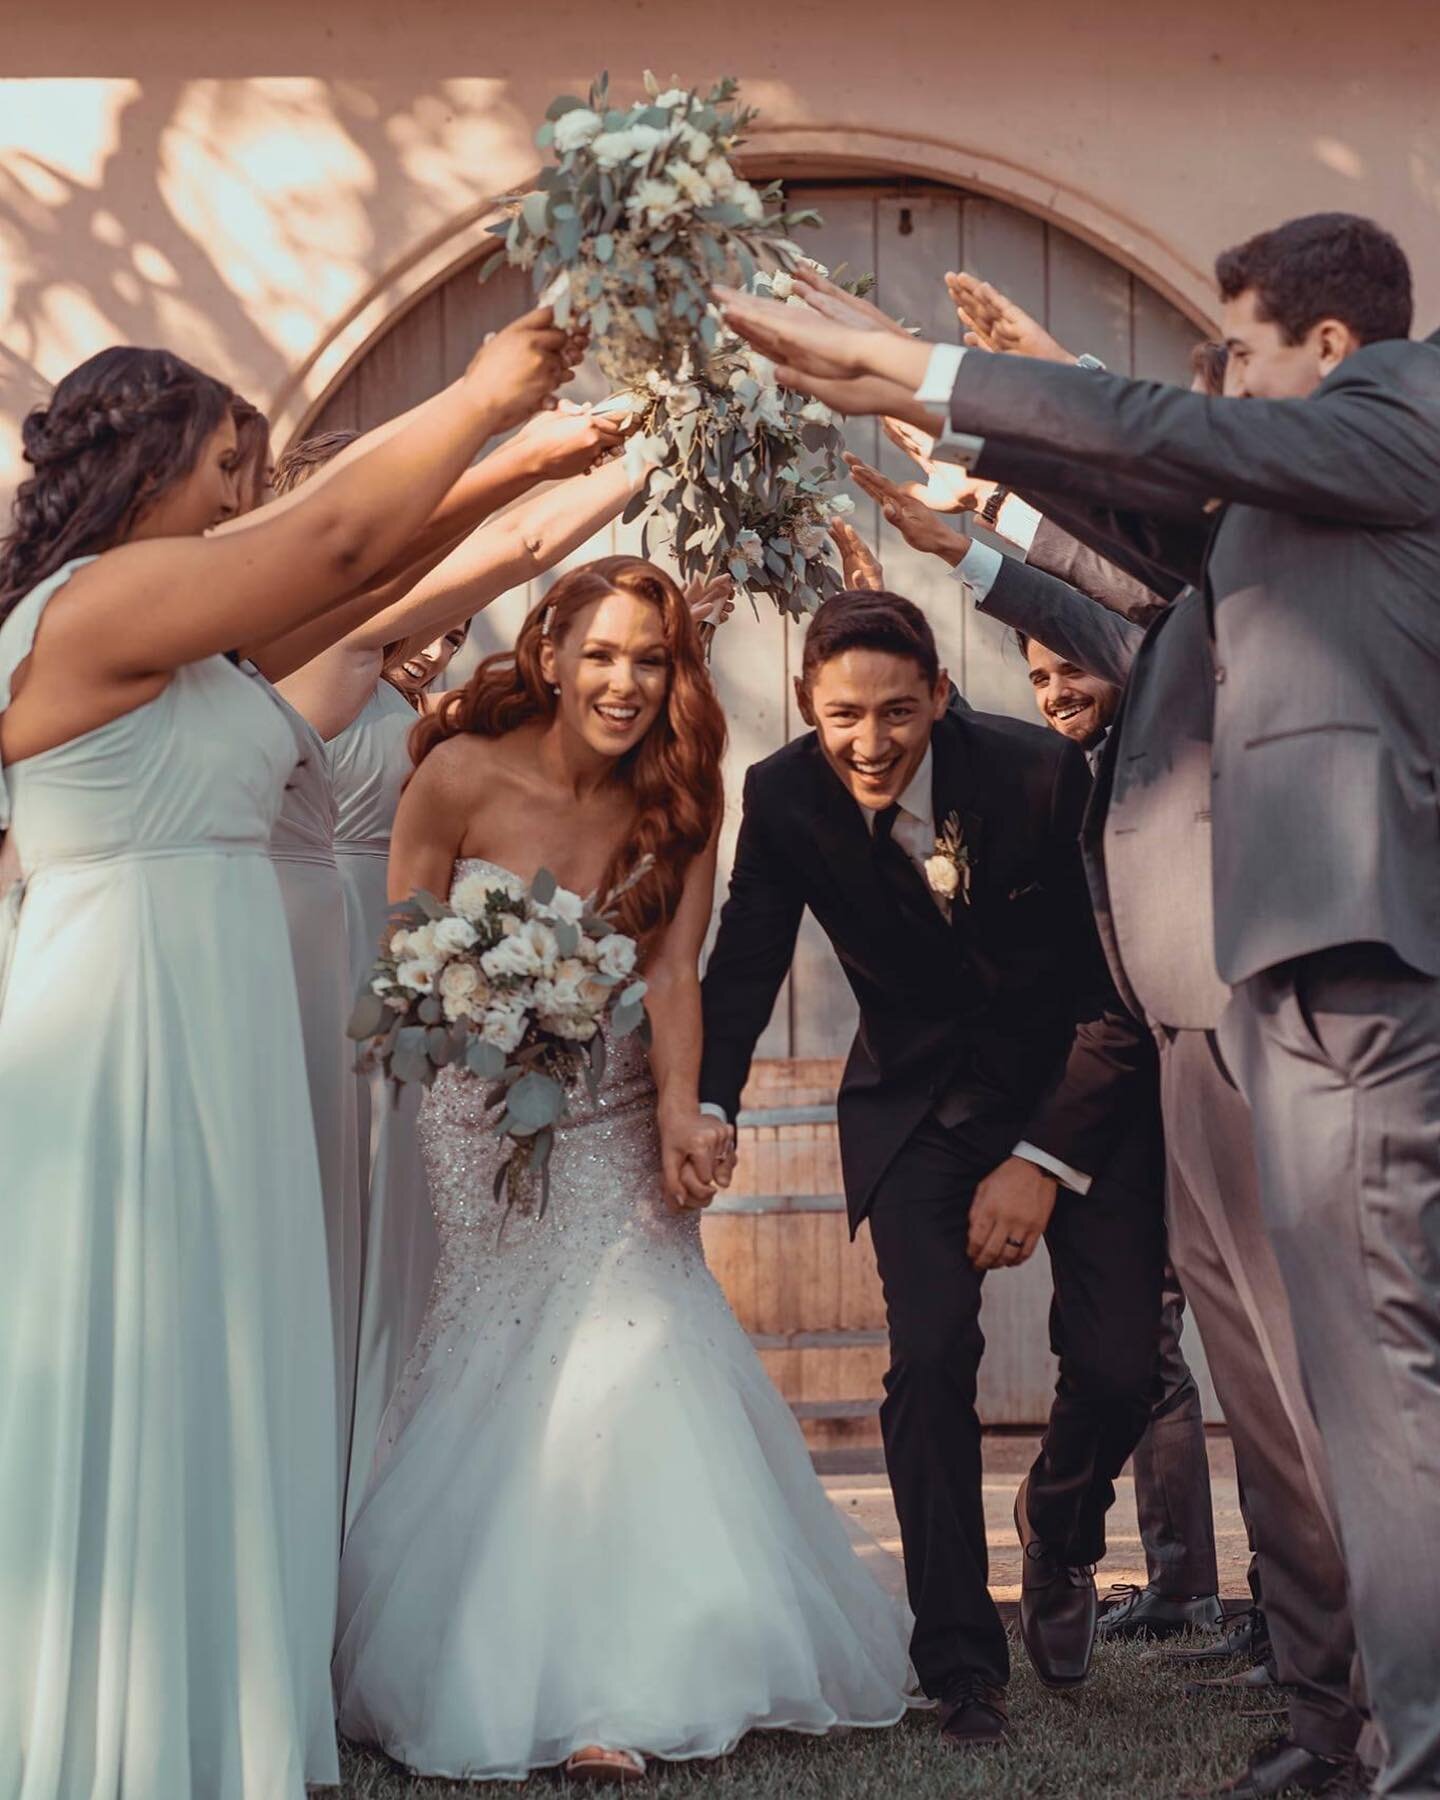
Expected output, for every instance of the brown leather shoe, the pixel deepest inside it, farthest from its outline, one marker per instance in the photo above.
(1282, 1766)
(973, 1715)
(1057, 1607)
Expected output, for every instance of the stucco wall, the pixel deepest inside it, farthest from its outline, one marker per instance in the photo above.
(258, 185)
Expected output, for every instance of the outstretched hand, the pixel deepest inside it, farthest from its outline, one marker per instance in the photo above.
(832, 301)
(859, 565)
(948, 488)
(993, 321)
(907, 512)
(521, 366)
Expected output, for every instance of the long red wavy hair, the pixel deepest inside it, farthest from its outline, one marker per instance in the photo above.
(674, 771)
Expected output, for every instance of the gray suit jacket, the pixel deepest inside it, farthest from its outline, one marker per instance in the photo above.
(1322, 587)
(1146, 835)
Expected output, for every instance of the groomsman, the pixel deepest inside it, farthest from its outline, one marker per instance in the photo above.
(985, 1104)
(1319, 572)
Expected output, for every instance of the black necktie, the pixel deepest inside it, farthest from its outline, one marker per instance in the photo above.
(899, 873)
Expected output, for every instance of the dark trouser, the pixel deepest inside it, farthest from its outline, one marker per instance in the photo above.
(1106, 1252)
(1172, 1470)
(1339, 1054)
(1225, 1259)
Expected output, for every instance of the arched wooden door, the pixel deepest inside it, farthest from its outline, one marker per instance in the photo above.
(812, 1302)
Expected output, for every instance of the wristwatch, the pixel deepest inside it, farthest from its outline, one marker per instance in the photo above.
(1087, 361)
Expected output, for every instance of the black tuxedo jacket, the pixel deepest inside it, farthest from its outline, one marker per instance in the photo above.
(1007, 1005)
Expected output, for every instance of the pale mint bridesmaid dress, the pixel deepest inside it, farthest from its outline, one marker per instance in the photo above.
(167, 1402)
(369, 763)
(302, 848)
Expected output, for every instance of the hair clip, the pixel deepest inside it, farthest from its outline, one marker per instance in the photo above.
(547, 618)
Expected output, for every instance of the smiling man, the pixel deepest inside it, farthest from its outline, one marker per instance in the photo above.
(1077, 704)
(985, 1104)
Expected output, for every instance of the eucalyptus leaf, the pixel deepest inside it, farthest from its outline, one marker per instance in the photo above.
(644, 318)
(543, 888)
(565, 103)
(369, 1017)
(485, 1060)
(535, 1101)
(533, 210)
(567, 936)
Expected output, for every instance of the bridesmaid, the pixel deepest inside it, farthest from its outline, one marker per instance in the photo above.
(167, 1486)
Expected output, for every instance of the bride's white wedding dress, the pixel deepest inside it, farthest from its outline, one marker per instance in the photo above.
(593, 1520)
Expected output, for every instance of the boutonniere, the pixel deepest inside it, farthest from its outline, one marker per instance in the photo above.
(949, 869)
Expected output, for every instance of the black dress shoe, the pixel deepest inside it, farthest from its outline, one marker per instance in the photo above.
(1145, 1613)
(1281, 1765)
(1057, 1608)
(1246, 1635)
(973, 1715)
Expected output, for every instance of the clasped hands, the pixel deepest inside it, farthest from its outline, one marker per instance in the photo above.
(697, 1157)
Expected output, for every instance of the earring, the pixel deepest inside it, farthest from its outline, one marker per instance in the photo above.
(554, 687)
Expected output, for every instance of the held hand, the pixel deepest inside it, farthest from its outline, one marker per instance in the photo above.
(859, 565)
(697, 1156)
(568, 441)
(711, 602)
(1008, 1216)
(520, 367)
(907, 512)
(993, 321)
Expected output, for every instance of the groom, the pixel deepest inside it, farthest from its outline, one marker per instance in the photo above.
(995, 1093)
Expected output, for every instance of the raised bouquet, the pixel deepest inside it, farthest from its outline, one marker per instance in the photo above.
(509, 985)
(640, 215)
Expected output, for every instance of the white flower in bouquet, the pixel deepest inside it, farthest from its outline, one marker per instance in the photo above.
(382, 984)
(838, 505)
(810, 538)
(530, 949)
(658, 200)
(574, 1027)
(504, 1025)
(616, 955)
(696, 145)
(452, 936)
(612, 148)
(751, 205)
(472, 897)
(816, 412)
(750, 549)
(563, 905)
(721, 176)
(673, 97)
(574, 129)
(463, 991)
(782, 286)
(691, 183)
(418, 976)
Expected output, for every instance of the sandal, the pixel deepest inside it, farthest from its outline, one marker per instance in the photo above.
(594, 1764)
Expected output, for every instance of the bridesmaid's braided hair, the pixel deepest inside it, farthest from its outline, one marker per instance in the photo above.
(118, 431)
(673, 772)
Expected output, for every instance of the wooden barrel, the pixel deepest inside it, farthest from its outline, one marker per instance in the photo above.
(779, 1245)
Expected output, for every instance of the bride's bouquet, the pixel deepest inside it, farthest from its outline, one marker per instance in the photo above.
(508, 985)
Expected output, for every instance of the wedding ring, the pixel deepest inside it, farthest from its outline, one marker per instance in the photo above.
(1016, 1243)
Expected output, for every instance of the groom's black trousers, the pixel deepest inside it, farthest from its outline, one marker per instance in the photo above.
(1107, 1254)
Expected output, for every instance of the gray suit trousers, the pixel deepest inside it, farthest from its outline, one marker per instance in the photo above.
(1225, 1260)
(1172, 1470)
(1339, 1053)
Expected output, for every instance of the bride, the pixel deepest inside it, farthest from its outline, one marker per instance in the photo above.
(592, 1531)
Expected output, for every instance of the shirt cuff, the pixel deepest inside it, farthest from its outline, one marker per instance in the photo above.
(715, 1112)
(1018, 522)
(1063, 1173)
(979, 568)
(934, 394)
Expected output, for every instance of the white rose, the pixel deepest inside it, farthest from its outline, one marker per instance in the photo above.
(616, 956)
(576, 127)
(611, 148)
(672, 97)
(421, 943)
(782, 286)
(644, 141)
(577, 1028)
(720, 176)
(399, 943)
(454, 935)
(943, 876)
(810, 539)
(691, 183)
(840, 504)
(752, 207)
(560, 992)
(749, 546)
(565, 906)
(816, 412)
(463, 990)
(659, 201)
(419, 977)
(695, 144)
(531, 949)
(504, 1026)
(471, 897)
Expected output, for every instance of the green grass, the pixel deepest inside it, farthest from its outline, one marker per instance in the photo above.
(1130, 1732)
